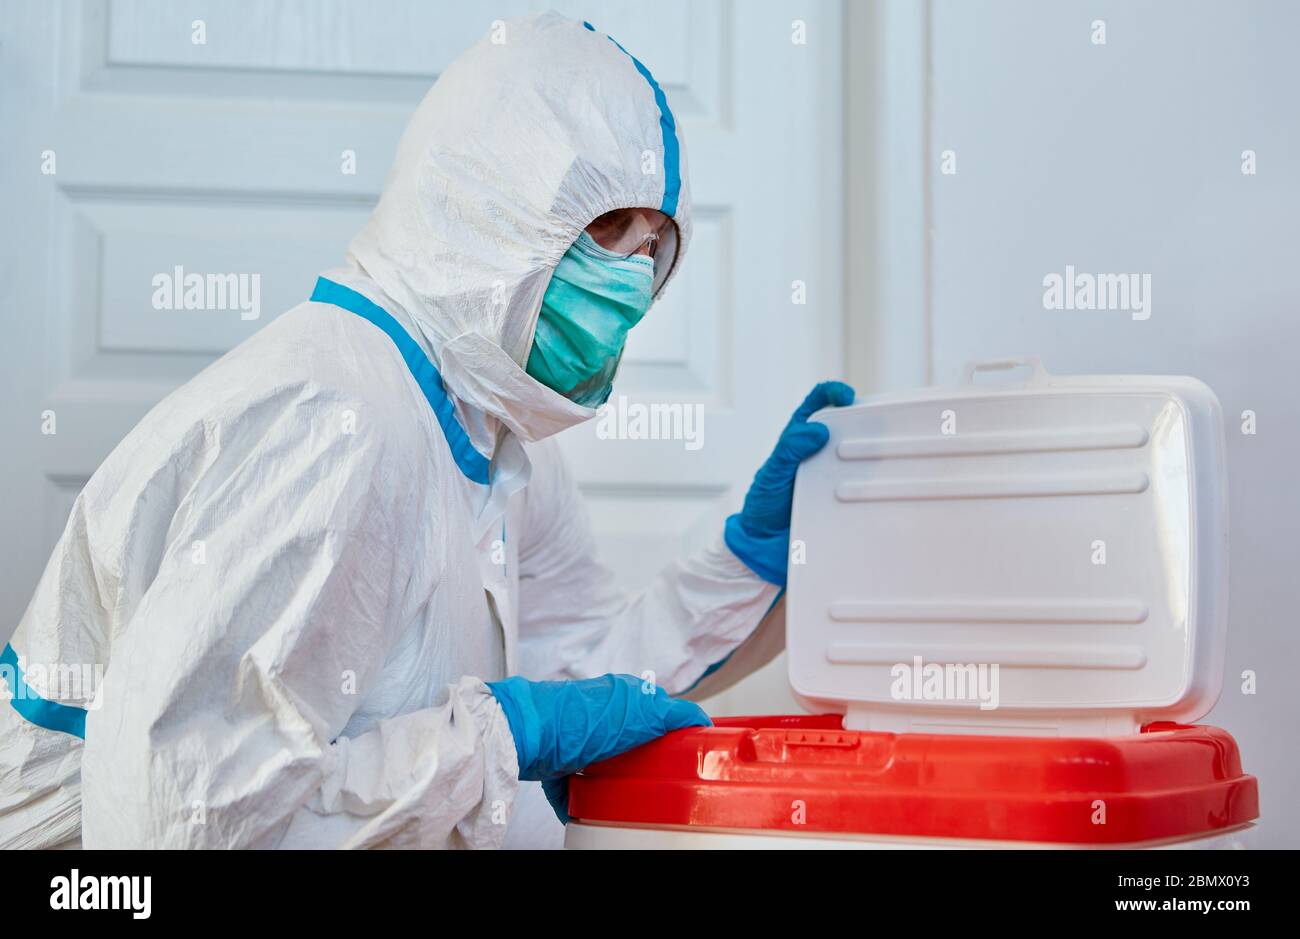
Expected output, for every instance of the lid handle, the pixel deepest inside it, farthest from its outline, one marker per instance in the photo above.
(1032, 362)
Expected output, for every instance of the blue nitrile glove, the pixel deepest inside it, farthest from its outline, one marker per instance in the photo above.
(760, 534)
(561, 727)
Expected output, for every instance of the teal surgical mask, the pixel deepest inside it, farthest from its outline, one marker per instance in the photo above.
(594, 298)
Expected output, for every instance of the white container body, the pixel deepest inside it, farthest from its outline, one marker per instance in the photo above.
(1044, 557)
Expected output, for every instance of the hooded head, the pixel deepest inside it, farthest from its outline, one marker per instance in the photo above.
(524, 140)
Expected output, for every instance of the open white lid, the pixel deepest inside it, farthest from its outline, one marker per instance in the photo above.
(1039, 556)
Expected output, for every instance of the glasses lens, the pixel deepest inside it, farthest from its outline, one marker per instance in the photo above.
(626, 232)
(622, 232)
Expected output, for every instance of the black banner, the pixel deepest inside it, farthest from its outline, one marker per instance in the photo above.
(215, 888)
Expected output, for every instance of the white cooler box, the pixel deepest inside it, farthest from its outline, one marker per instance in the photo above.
(1006, 608)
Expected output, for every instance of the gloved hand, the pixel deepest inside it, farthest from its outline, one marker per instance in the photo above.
(760, 534)
(560, 727)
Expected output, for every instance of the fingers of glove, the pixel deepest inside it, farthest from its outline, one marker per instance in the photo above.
(681, 714)
(595, 719)
(805, 440)
(797, 443)
(767, 504)
(628, 713)
(826, 394)
(557, 793)
(649, 712)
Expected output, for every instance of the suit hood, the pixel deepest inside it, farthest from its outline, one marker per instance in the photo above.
(522, 142)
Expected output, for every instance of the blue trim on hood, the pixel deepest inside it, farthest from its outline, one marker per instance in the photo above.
(51, 715)
(672, 149)
(473, 464)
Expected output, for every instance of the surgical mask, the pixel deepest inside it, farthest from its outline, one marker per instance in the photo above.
(594, 298)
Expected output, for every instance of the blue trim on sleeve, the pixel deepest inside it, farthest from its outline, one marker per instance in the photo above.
(668, 124)
(64, 718)
(473, 464)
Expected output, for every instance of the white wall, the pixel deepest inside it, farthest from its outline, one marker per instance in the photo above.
(1123, 157)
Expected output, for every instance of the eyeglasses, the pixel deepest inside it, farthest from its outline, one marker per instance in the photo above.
(627, 232)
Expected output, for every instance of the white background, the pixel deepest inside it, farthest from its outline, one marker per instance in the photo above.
(817, 163)
(1124, 157)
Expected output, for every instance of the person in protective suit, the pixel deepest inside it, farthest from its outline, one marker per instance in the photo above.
(341, 585)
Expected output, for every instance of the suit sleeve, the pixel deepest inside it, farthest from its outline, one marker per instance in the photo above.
(576, 621)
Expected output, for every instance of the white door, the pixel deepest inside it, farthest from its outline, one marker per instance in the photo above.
(142, 135)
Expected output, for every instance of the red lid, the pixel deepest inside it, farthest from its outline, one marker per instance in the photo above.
(805, 774)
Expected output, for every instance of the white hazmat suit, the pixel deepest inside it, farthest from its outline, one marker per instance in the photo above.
(299, 569)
